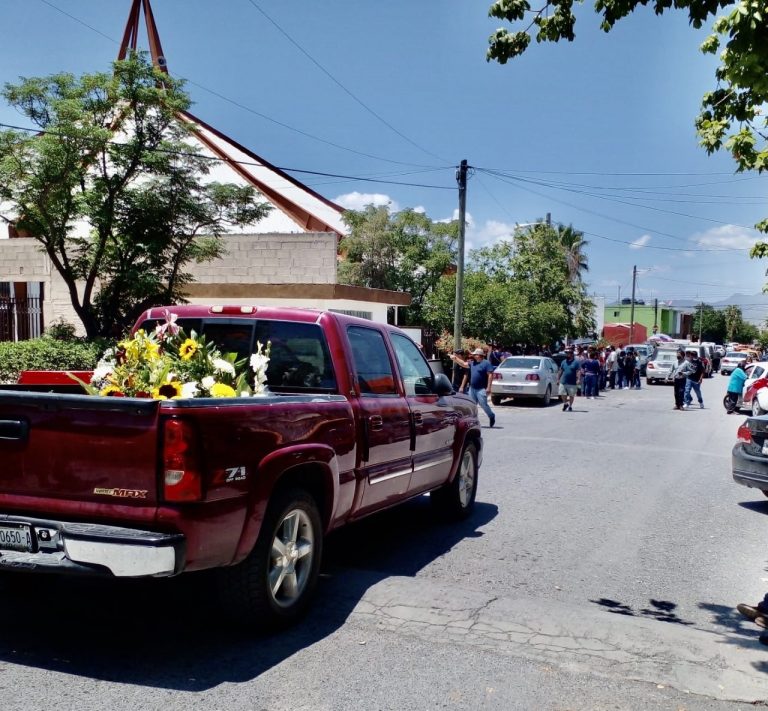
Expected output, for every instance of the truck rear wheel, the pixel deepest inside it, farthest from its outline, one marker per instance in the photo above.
(457, 499)
(273, 586)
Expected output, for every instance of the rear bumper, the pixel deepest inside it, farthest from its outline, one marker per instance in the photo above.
(94, 549)
(749, 470)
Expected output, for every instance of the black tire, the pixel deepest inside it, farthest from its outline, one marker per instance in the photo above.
(496, 400)
(457, 499)
(291, 531)
(547, 397)
(726, 402)
(650, 381)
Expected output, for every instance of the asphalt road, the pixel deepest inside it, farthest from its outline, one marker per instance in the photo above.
(600, 571)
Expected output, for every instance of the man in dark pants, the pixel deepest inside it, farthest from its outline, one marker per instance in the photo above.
(677, 375)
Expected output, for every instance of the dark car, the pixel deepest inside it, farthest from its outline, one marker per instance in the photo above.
(749, 457)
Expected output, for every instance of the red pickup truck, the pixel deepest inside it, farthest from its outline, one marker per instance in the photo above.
(355, 422)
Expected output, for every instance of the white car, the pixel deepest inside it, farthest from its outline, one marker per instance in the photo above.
(731, 360)
(524, 377)
(757, 405)
(660, 365)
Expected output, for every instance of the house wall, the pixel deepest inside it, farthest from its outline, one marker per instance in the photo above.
(249, 259)
(667, 319)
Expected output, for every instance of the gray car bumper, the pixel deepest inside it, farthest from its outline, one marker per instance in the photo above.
(749, 470)
(93, 549)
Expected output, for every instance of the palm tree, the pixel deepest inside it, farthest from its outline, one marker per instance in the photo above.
(573, 243)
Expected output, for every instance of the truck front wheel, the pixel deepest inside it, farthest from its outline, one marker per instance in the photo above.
(273, 586)
(457, 499)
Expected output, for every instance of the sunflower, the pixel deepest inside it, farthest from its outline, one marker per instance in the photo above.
(167, 391)
(188, 349)
(222, 390)
(111, 390)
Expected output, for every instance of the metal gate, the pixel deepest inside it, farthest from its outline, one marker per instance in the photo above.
(20, 319)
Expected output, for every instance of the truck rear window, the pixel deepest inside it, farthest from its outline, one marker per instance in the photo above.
(299, 358)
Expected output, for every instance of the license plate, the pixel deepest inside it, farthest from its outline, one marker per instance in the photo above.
(513, 387)
(15, 537)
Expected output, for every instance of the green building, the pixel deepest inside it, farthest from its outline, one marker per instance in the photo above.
(674, 322)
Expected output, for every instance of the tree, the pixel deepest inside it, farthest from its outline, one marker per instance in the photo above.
(404, 251)
(737, 329)
(112, 156)
(573, 243)
(710, 322)
(518, 291)
(732, 115)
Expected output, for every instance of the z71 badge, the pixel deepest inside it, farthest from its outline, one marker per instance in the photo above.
(231, 474)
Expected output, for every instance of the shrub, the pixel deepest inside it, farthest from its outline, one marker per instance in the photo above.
(61, 330)
(47, 354)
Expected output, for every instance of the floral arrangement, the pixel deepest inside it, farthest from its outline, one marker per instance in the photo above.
(169, 364)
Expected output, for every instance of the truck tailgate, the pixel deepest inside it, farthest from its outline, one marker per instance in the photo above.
(78, 448)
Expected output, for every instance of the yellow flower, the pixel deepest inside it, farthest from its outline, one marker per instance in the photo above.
(167, 391)
(111, 390)
(152, 351)
(222, 390)
(188, 349)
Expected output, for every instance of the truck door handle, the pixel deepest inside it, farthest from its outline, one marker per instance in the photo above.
(14, 429)
(376, 422)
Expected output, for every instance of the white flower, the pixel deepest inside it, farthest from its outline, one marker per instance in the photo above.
(101, 373)
(189, 389)
(223, 366)
(208, 382)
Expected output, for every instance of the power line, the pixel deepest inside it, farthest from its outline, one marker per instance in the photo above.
(243, 106)
(217, 159)
(340, 85)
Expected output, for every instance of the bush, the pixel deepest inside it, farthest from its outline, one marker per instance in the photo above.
(47, 354)
(61, 330)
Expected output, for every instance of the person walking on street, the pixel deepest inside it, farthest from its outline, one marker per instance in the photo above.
(612, 366)
(629, 368)
(678, 376)
(568, 377)
(460, 374)
(590, 370)
(480, 377)
(620, 358)
(694, 376)
(735, 386)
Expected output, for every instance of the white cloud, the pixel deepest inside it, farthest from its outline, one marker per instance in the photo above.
(640, 242)
(359, 201)
(420, 209)
(726, 237)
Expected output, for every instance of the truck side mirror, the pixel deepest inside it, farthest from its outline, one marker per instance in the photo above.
(442, 385)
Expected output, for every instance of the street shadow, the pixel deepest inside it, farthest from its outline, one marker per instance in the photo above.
(173, 633)
(759, 506)
(660, 610)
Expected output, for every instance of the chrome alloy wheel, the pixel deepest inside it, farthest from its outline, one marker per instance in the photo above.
(291, 558)
(467, 476)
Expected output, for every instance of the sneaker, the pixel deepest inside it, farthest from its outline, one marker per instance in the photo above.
(565, 406)
(493, 421)
(685, 407)
(701, 405)
(570, 408)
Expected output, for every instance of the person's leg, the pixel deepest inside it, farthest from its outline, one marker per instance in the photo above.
(612, 380)
(733, 399)
(687, 399)
(679, 392)
(482, 402)
(697, 389)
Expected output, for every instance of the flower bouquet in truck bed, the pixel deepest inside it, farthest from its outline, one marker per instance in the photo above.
(169, 364)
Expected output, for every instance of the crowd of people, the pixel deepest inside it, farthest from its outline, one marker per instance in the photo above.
(583, 371)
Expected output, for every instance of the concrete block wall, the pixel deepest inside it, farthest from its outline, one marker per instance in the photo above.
(272, 259)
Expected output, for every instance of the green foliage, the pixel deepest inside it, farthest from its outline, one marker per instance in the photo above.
(732, 115)
(404, 251)
(712, 323)
(523, 291)
(112, 154)
(47, 354)
(61, 330)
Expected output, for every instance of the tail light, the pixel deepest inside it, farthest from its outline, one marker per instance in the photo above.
(651, 366)
(496, 376)
(182, 476)
(743, 434)
(532, 376)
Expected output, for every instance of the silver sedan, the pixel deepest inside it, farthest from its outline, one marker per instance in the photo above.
(524, 377)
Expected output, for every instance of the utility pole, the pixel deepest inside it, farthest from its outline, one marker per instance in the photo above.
(618, 300)
(549, 219)
(458, 307)
(701, 318)
(632, 308)
(655, 316)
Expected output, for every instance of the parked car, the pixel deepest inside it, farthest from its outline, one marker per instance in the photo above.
(749, 456)
(660, 365)
(643, 352)
(355, 421)
(731, 360)
(523, 377)
(754, 396)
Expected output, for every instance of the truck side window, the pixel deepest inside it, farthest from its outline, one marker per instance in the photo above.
(417, 375)
(372, 365)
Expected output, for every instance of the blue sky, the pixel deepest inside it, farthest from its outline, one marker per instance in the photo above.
(598, 132)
